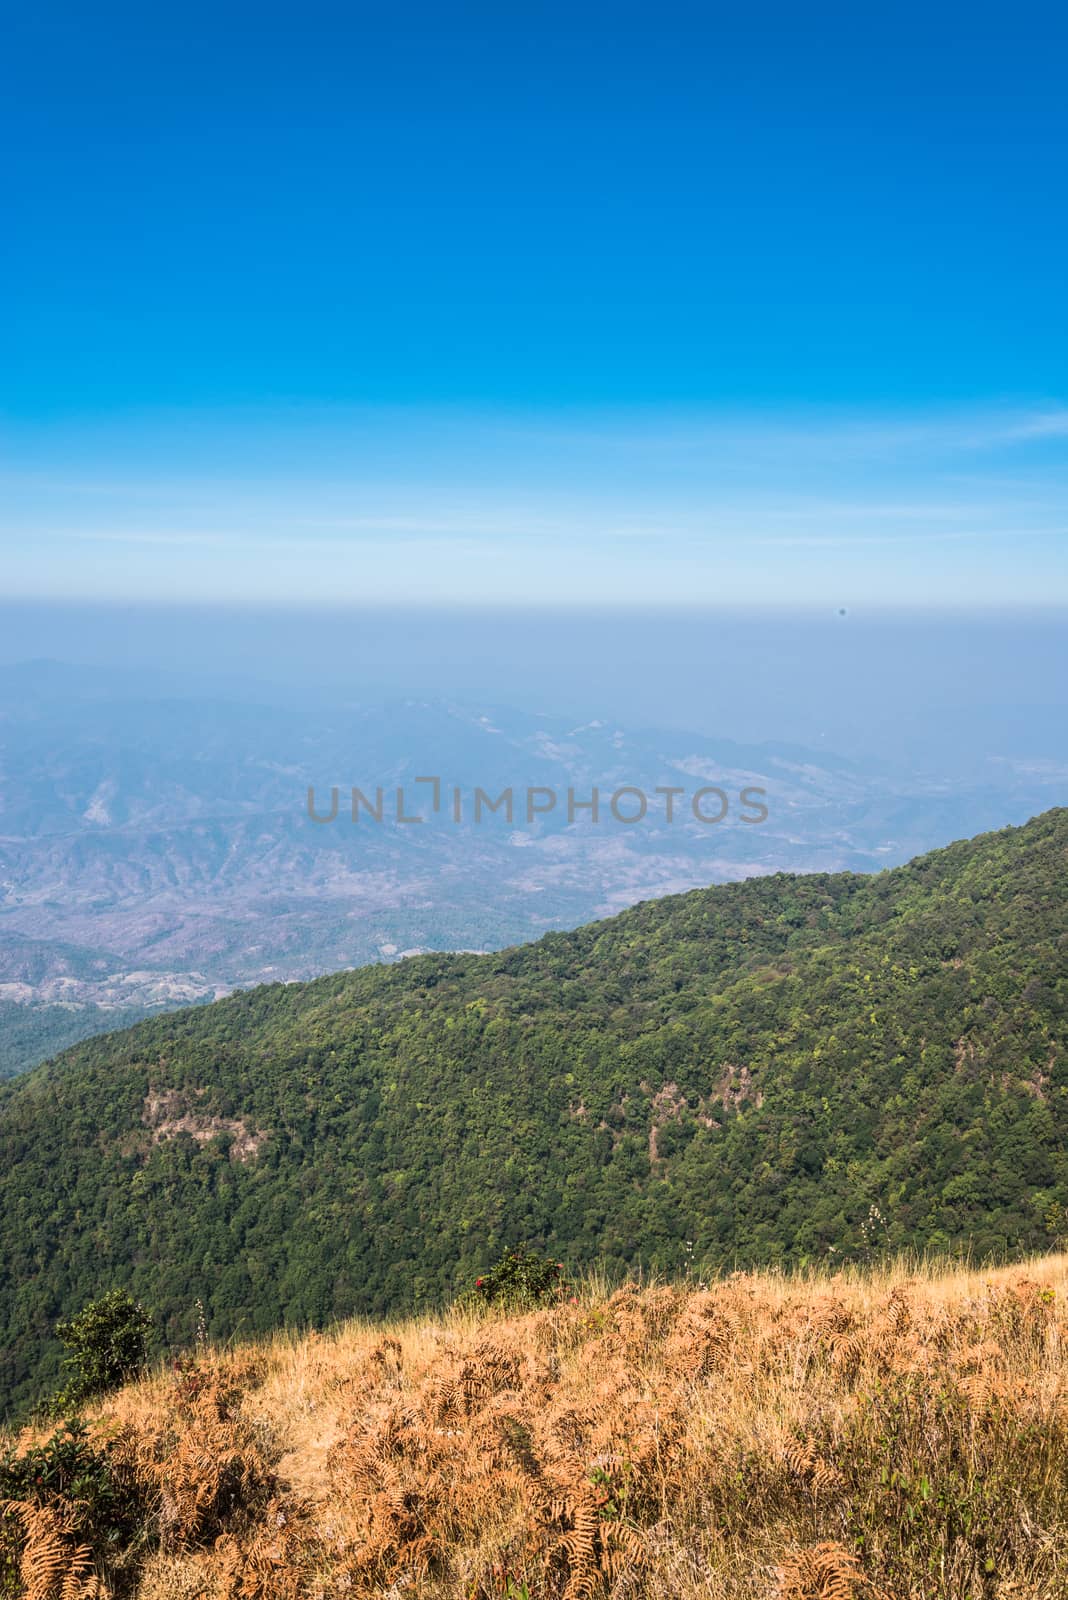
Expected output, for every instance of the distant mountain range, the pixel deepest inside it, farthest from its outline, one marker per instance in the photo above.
(156, 850)
(784, 1069)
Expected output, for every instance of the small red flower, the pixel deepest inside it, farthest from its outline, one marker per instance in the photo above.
(478, 1283)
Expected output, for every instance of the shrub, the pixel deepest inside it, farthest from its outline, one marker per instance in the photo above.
(521, 1280)
(108, 1341)
(95, 1506)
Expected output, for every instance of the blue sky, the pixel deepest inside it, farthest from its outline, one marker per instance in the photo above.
(553, 304)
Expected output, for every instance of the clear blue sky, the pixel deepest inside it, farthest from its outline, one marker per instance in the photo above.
(545, 302)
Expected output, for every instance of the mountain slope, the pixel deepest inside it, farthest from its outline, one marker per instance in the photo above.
(29, 1034)
(742, 1073)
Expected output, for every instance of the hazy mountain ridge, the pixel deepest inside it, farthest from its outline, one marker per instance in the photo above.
(157, 850)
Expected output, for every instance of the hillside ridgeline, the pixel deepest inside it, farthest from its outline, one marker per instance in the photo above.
(788, 1068)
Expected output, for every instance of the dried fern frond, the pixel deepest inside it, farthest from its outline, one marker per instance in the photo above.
(53, 1564)
(821, 1572)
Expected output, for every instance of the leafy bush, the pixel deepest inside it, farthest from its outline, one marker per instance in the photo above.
(67, 1465)
(521, 1280)
(106, 1509)
(108, 1341)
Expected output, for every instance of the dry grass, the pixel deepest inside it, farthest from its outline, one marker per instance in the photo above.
(896, 1436)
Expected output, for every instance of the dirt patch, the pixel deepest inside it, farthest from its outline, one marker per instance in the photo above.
(169, 1112)
(737, 1084)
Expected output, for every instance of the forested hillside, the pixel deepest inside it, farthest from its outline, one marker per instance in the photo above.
(804, 1067)
(28, 1034)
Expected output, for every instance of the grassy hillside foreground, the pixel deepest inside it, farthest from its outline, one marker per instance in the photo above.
(892, 1435)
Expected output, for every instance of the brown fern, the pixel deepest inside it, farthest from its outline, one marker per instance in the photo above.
(821, 1572)
(53, 1564)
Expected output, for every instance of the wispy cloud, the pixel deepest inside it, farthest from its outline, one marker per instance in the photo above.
(1042, 425)
(629, 506)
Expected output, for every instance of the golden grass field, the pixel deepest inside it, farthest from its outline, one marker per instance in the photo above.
(899, 1434)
